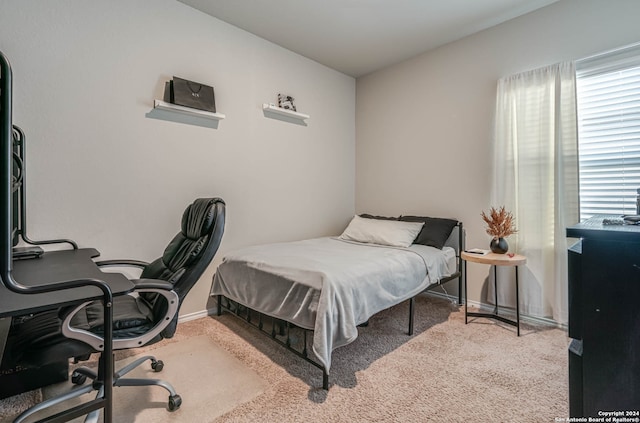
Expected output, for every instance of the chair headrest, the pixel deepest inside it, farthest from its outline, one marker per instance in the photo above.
(198, 218)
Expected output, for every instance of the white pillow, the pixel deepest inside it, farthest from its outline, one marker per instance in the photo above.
(384, 232)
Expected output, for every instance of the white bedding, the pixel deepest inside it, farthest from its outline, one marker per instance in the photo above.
(329, 285)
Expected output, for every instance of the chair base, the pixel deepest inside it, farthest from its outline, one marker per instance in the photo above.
(80, 375)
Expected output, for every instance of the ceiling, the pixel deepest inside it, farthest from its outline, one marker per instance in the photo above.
(357, 37)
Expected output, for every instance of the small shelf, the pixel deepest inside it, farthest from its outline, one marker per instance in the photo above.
(272, 108)
(163, 105)
(172, 112)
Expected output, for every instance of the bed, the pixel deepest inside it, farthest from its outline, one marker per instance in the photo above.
(331, 285)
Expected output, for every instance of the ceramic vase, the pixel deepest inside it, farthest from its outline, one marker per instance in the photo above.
(499, 245)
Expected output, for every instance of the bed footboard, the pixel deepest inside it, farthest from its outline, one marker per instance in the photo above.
(278, 330)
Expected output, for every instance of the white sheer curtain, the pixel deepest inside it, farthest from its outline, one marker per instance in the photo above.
(535, 162)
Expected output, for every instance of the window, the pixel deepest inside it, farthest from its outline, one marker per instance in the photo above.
(608, 102)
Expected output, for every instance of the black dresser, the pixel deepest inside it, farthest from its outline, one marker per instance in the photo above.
(604, 318)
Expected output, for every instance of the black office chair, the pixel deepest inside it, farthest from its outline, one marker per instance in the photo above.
(145, 317)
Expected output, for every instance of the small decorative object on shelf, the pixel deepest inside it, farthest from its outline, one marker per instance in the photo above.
(500, 224)
(286, 102)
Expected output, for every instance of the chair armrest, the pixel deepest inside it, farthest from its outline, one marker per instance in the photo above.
(143, 284)
(122, 262)
(97, 342)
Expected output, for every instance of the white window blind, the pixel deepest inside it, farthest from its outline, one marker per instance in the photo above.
(608, 101)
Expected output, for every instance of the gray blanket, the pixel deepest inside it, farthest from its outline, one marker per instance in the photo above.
(328, 285)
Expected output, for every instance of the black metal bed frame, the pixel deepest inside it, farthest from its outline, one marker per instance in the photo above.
(279, 330)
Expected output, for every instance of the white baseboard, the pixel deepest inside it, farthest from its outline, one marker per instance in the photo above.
(506, 311)
(196, 315)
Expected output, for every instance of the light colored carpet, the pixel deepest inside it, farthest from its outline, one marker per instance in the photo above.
(15, 405)
(446, 372)
(210, 381)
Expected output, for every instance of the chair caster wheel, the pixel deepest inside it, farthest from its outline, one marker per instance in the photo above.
(157, 365)
(175, 401)
(78, 378)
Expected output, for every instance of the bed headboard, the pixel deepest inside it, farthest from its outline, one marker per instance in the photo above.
(456, 239)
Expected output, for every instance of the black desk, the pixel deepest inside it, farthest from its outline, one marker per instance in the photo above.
(58, 266)
(53, 267)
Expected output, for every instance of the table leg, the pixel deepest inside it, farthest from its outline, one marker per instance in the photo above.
(466, 297)
(495, 314)
(495, 288)
(517, 304)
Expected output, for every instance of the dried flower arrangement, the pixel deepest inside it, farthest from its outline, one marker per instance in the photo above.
(500, 223)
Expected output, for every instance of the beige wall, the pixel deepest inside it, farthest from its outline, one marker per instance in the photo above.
(100, 172)
(423, 143)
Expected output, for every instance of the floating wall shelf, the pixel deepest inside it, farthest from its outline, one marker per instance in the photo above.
(172, 112)
(272, 108)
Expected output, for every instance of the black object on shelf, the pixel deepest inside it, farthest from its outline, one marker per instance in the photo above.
(190, 94)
